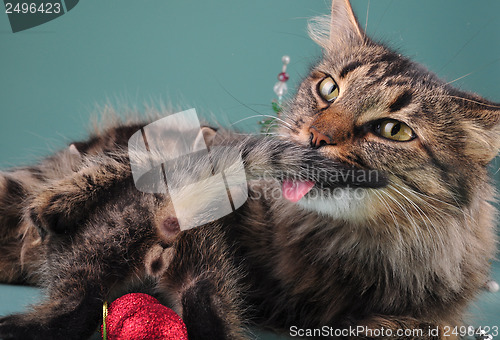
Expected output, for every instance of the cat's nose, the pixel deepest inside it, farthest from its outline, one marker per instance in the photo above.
(318, 139)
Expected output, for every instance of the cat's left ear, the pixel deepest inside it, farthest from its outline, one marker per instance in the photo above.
(341, 28)
(483, 132)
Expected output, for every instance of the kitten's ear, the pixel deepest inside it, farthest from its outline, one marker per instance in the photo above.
(207, 135)
(339, 29)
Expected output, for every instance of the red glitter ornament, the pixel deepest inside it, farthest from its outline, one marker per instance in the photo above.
(139, 316)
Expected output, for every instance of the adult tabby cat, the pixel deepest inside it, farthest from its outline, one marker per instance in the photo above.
(409, 251)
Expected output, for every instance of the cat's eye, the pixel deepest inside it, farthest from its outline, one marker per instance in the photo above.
(394, 130)
(328, 89)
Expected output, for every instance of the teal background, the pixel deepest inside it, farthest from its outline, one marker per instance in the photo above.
(220, 57)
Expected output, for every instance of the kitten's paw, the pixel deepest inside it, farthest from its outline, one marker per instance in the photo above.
(14, 327)
(63, 205)
(53, 211)
(28, 327)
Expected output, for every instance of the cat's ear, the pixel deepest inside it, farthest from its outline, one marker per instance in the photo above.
(483, 132)
(339, 29)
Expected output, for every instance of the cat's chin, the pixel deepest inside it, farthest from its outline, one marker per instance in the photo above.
(343, 204)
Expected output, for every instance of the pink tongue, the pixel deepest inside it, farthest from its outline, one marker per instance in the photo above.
(294, 191)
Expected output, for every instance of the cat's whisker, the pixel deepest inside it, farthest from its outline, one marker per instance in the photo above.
(275, 134)
(417, 195)
(437, 212)
(441, 214)
(367, 15)
(243, 134)
(472, 72)
(464, 76)
(285, 124)
(419, 210)
(382, 17)
(421, 196)
(467, 100)
(422, 214)
(417, 230)
(464, 45)
(389, 210)
(414, 226)
(239, 101)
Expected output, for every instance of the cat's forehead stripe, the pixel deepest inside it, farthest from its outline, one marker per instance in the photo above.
(401, 101)
(348, 68)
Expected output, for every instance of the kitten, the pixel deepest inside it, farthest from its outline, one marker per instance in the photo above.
(407, 249)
